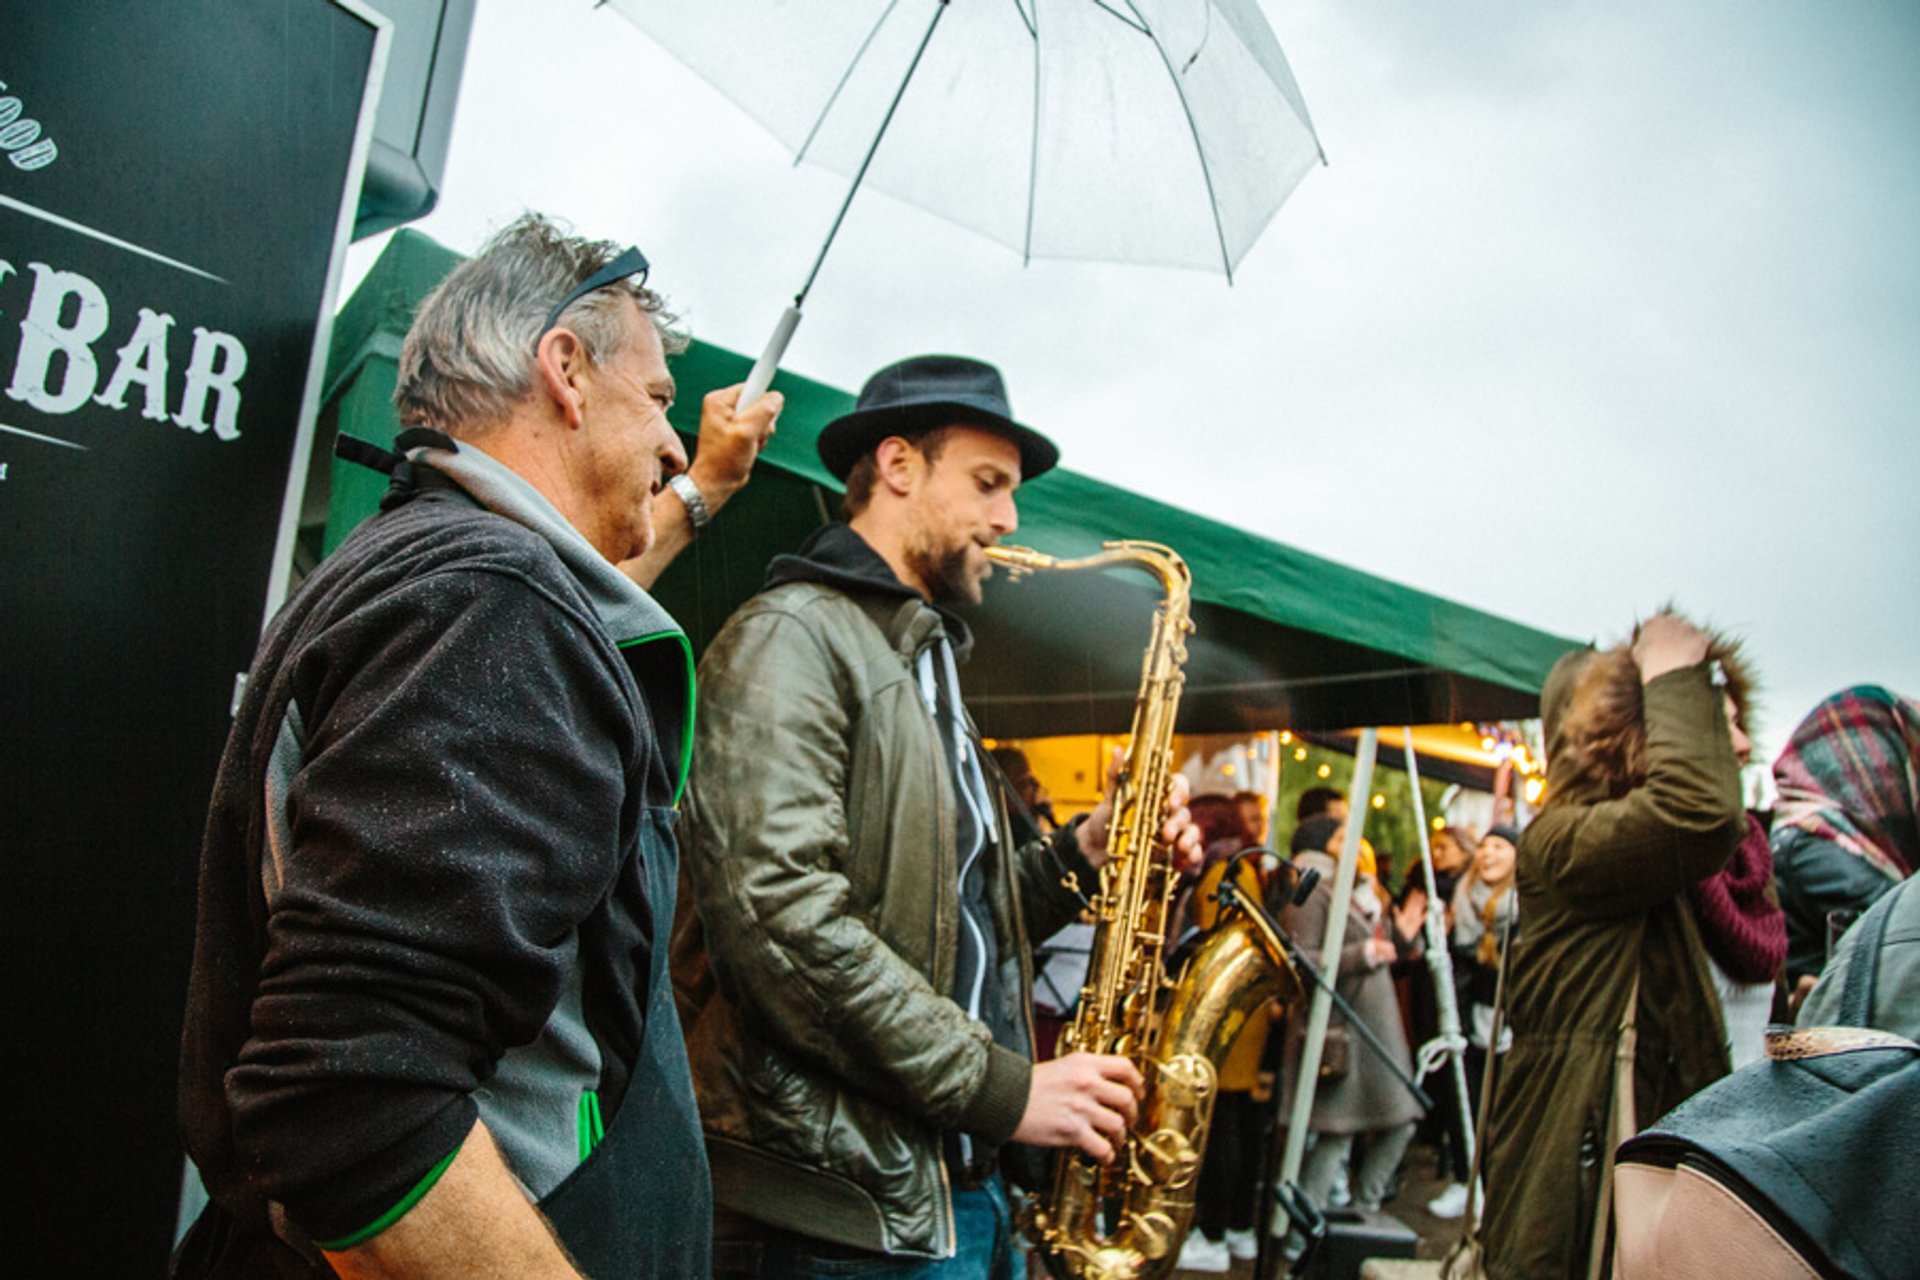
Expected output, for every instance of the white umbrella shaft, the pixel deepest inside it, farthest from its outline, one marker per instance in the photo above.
(763, 369)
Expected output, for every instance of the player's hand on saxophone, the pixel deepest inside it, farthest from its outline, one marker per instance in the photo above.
(1177, 832)
(1083, 1100)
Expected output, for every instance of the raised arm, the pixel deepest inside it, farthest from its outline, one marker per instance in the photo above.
(723, 460)
(1682, 824)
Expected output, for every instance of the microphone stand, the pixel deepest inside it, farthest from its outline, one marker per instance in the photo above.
(1302, 1214)
(1280, 942)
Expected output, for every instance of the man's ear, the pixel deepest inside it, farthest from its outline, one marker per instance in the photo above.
(899, 465)
(560, 360)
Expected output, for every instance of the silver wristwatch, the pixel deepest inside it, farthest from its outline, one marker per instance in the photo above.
(699, 515)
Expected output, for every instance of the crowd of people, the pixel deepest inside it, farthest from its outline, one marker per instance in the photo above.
(519, 954)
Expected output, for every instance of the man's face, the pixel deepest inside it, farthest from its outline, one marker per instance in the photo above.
(631, 449)
(962, 505)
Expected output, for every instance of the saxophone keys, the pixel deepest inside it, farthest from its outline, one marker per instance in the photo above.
(1186, 1080)
(1155, 1234)
(1167, 1158)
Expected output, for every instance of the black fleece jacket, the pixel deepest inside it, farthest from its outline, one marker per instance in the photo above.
(420, 860)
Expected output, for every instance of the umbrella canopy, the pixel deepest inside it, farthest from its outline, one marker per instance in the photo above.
(1165, 132)
(1283, 639)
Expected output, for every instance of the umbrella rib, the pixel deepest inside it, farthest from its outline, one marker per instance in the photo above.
(845, 76)
(1135, 22)
(1199, 149)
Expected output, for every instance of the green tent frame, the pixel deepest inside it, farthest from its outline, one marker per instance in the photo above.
(1283, 639)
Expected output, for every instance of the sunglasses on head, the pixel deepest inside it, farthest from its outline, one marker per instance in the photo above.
(631, 263)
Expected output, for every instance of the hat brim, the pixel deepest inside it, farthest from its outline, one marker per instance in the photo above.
(847, 438)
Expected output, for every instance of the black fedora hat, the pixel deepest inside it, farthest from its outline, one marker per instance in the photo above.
(923, 392)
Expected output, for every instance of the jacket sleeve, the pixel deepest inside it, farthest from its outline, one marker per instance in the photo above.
(450, 815)
(1041, 869)
(1622, 856)
(767, 827)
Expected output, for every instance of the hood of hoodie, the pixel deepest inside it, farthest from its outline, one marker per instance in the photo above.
(837, 556)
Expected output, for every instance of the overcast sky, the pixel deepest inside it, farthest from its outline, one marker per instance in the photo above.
(1596, 305)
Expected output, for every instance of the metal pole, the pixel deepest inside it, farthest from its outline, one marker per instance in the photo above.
(1272, 839)
(1308, 1075)
(1450, 1043)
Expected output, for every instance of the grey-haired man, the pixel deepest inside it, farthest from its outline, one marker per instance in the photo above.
(430, 1031)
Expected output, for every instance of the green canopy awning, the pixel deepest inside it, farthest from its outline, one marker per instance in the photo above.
(1283, 639)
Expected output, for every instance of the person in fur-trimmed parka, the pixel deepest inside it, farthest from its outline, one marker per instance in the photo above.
(1643, 802)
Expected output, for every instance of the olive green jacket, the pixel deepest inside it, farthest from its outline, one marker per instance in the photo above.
(1602, 882)
(820, 844)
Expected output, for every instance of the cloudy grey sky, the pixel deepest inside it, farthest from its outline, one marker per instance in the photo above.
(1597, 304)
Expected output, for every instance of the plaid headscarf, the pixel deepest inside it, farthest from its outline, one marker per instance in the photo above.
(1848, 777)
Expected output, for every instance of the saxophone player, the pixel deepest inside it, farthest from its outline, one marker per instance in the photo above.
(854, 984)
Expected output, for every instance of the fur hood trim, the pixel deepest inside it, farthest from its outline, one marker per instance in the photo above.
(1595, 718)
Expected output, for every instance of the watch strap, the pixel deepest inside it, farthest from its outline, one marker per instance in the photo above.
(699, 514)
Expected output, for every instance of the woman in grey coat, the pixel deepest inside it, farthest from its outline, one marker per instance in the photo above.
(1367, 1098)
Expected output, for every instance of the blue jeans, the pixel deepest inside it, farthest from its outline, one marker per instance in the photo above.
(986, 1249)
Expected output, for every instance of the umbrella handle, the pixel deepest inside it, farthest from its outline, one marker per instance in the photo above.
(763, 369)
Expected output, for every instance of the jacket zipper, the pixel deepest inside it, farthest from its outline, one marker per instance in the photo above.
(945, 880)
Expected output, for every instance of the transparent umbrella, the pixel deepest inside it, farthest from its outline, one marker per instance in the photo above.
(1164, 132)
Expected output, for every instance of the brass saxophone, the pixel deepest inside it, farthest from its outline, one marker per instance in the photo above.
(1128, 1219)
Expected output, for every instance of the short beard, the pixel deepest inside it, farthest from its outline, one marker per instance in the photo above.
(948, 577)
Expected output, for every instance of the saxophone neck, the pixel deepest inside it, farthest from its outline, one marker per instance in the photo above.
(1165, 564)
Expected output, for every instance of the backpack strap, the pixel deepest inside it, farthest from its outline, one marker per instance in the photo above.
(407, 479)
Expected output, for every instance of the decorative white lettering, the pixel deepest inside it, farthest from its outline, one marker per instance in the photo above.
(18, 137)
(67, 314)
(38, 156)
(19, 134)
(142, 360)
(209, 347)
(42, 336)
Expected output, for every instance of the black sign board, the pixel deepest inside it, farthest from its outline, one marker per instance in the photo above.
(176, 181)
